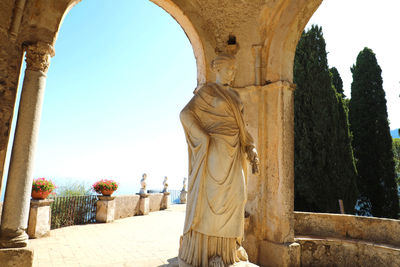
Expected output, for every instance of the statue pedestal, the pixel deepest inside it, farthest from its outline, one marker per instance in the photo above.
(273, 254)
(105, 209)
(39, 218)
(183, 197)
(21, 257)
(165, 201)
(144, 204)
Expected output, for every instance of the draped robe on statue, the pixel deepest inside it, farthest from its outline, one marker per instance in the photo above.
(217, 138)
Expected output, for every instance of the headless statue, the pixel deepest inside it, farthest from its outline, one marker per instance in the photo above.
(219, 145)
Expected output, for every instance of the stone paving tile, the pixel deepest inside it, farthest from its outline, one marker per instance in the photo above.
(139, 241)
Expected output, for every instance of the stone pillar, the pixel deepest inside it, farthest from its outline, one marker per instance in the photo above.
(165, 201)
(19, 183)
(183, 197)
(105, 209)
(269, 231)
(276, 142)
(144, 204)
(39, 218)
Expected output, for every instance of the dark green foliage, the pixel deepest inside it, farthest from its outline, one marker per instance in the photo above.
(337, 81)
(372, 143)
(324, 165)
(396, 154)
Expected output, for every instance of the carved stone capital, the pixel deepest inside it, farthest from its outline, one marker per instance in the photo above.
(38, 56)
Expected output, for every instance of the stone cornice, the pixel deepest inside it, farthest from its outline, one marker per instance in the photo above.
(271, 86)
(40, 203)
(280, 84)
(38, 56)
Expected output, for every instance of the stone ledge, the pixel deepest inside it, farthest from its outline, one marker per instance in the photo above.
(328, 251)
(105, 198)
(238, 264)
(41, 203)
(343, 226)
(13, 257)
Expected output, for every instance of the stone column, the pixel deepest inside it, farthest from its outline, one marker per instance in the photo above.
(276, 141)
(269, 232)
(105, 209)
(14, 219)
(39, 222)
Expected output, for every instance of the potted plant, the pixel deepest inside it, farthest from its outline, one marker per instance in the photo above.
(41, 188)
(105, 187)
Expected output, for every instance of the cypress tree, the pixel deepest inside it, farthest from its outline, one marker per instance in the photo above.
(344, 152)
(337, 81)
(372, 143)
(324, 167)
(396, 153)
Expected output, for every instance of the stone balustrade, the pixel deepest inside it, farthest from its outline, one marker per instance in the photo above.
(371, 229)
(126, 206)
(131, 205)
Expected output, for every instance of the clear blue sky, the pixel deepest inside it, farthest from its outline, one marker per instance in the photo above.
(113, 96)
(122, 73)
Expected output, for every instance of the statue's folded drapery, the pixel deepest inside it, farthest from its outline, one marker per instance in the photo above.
(217, 138)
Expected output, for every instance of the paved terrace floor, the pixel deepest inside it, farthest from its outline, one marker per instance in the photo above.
(139, 241)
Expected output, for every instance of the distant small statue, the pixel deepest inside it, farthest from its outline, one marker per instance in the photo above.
(184, 184)
(183, 194)
(165, 184)
(143, 184)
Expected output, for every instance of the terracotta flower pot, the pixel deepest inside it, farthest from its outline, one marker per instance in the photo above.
(106, 192)
(40, 194)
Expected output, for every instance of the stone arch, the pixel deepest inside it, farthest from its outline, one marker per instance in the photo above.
(39, 26)
(44, 22)
(171, 8)
(282, 28)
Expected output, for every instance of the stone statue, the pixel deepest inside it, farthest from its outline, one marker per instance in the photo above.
(184, 184)
(165, 184)
(219, 145)
(143, 184)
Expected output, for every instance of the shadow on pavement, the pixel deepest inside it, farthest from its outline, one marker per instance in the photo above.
(171, 263)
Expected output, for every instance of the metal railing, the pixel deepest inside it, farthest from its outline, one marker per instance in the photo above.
(73, 210)
(175, 196)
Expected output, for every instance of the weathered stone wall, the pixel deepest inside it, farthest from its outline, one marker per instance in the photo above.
(126, 206)
(343, 253)
(155, 201)
(10, 63)
(377, 230)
